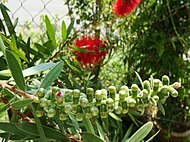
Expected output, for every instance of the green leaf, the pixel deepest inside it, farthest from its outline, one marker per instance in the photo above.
(64, 31)
(75, 123)
(88, 125)
(2, 46)
(138, 76)
(100, 130)
(50, 31)
(52, 75)
(11, 128)
(49, 132)
(151, 138)
(21, 103)
(70, 27)
(72, 67)
(5, 73)
(89, 137)
(115, 116)
(38, 68)
(127, 134)
(141, 133)
(161, 108)
(15, 70)
(7, 19)
(79, 49)
(42, 49)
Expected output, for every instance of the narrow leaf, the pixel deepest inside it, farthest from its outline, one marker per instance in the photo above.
(52, 75)
(161, 108)
(141, 133)
(151, 138)
(100, 130)
(50, 31)
(127, 134)
(64, 31)
(70, 27)
(139, 78)
(115, 116)
(75, 123)
(88, 125)
(15, 70)
(21, 103)
(79, 49)
(2, 46)
(89, 137)
(37, 69)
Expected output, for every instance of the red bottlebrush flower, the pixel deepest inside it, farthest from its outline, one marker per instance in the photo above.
(94, 50)
(124, 7)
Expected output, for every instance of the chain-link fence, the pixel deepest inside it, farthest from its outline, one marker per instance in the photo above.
(30, 13)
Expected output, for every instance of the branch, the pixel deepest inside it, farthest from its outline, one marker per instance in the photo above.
(16, 91)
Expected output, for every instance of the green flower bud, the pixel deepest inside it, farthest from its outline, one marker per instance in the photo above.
(125, 88)
(165, 80)
(51, 112)
(59, 97)
(40, 93)
(164, 89)
(98, 95)
(109, 102)
(176, 85)
(153, 102)
(48, 95)
(118, 110)
(140, 108)
(134, 90)
(63, 116)
(68, 108)
(124, 107)
(145, 93)
(140, 95)
(68, 96)
(94, 111)
(103, 108)
(79, 117)
(76, 93)
(156, 84)
(111, 108)
(104, 94)
(89, 91)
(90, 94)
(112, 92)
(155, 97)
(79, 109)
(173, 92)
(43, 102)
(39, 113)
(131, 102)
(122, 94)
(83, 102)
(88, 112)
(146, 85)
(83, 95)
(55, 89)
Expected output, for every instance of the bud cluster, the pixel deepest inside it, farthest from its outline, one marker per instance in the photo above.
(101, 102)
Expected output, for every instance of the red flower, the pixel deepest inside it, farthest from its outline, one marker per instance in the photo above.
(124, 7)
(94, 50)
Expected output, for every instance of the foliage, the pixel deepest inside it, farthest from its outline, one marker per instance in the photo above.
(50, 96)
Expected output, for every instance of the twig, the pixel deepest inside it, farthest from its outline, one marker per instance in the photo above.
(23, 116)
(16, 91)
(61, 48)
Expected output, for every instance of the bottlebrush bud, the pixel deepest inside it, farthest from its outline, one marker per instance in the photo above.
(98, 95)
(118, 110)
(55, 89)
(43, 102)
(112, 92)
(90, 94)
(88, 113)
(94, 111)
(165, 80)
(104, 94)
(83, 102)
(109, 102)
(68, 108)
(124, 107)
(103, 111)
(134, 90)
(132, 102)
(63, 116)
(140, 108)
(59, 97)
(176, 85)
(173, 92)
(122, 94)
(68, 96)
(40, 93)
(79, 116)
(51, 112)
(156, 84)
(39, 113)
(155, 97)
(145, 93)
(146, 85)
(76, 96)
